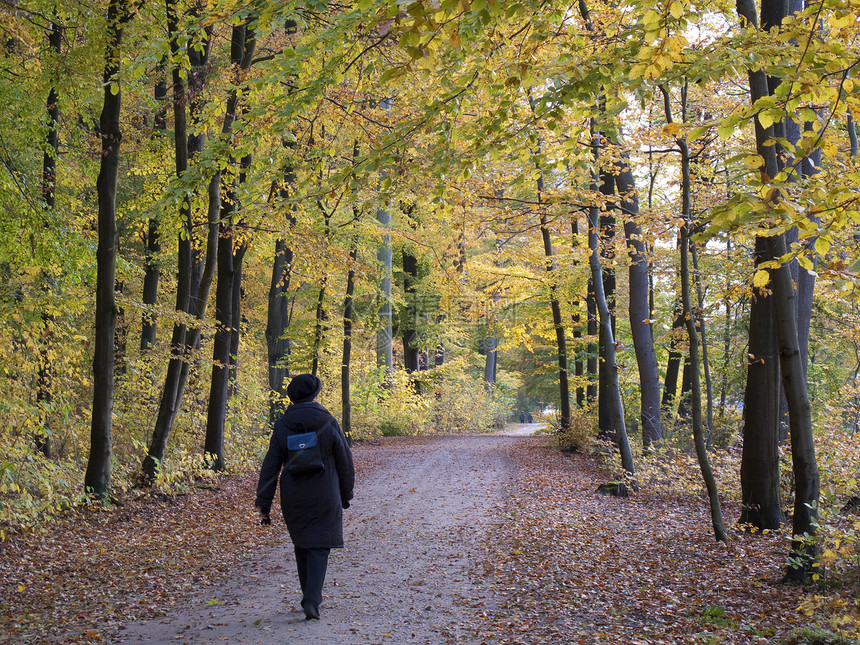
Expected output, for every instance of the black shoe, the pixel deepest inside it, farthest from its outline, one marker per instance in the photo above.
(312, 611)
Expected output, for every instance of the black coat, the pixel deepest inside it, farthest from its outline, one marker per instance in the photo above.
(312, 504)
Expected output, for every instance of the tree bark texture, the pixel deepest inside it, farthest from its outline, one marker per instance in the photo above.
(97, 479)
(784, 316)
(345, 379)
(606, 236)
(557, 323)
(152, 243)
(410, 315)
(618, 429)
(230, 254)
(639, 309)
(45, 375)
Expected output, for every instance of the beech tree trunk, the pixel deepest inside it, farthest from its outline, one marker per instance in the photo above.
(410, 317)
(45, 375)
(696, 391)
(618, 429)
(557, 322)
(231, 251)
(784, 316)
(639, 309)
(345, 379)
(604, 369)
(592, 350)
(152, 243)
(278, 318)
(385, 256)
(97, 480)
(182, 339)
(673, 365)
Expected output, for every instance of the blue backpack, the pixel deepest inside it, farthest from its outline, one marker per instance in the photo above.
(303, 454)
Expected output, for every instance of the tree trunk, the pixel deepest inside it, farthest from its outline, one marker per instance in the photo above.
(706, 364)
(804, 522)
(555, 306)
(760, 495)
(45, 375)
(97, 478)
(277, 321)
(673, 366)
(277, 343)
(696, 391)
(152, 242)
(618, 430)
(172, 392)
(591, 350)
(604, 368)
(230, 254)
(579, 364)
(236, 330)
(318, 328)
(409, 322)
(345, 380)
(228, 265)
(640, 310)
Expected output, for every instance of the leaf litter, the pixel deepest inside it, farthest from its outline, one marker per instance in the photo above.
(564, 564)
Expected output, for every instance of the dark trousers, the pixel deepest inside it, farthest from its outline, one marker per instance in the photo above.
(312, 565)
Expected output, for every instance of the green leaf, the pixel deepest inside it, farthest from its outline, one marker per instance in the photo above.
(697, 133)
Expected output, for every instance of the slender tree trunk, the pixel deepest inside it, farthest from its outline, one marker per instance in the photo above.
(236, 330)
(318, 328)
(409, 323)
(384, 334)
(604, 368)
(698, 427)
(345, 379)
(97, 480)
(591, 350)
(555, 306)
(579, 364)
(706, 364)
(152, 242)
(230, 254)
(673, 366)
(171, 393)
(45, 375)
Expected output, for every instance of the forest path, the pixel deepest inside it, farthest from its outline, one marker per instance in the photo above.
(414, 542)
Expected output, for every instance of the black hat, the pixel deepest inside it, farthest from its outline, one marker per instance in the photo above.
(303, 387)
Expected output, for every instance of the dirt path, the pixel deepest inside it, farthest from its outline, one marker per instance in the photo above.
(408, 574)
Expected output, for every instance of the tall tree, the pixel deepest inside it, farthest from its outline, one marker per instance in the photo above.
(612, 388)
(804, 466)
(639, 307)
(189, 301)
(231, 252)
(385, 257)
(152, 241)
(45, 377)
(97, 480)
(277, 321)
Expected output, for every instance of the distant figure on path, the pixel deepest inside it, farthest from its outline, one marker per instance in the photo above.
(530, 418)
(308, 450)
(522, 416)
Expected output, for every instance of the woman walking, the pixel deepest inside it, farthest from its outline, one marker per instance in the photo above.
(309, 451)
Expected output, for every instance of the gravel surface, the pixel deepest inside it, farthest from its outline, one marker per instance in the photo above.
(412, 570)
